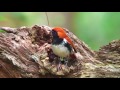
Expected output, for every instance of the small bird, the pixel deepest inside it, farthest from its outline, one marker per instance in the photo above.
(62, 45)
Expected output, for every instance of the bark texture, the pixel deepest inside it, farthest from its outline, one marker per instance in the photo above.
(26, 53)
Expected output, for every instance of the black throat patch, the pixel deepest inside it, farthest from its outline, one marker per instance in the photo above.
(56, 40)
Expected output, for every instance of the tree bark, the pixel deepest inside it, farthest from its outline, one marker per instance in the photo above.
(26, 53)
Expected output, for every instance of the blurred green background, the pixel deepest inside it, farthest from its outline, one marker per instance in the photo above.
(94, 28)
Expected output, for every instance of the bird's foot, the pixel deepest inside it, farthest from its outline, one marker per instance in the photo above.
(62, 61)
(59, 67)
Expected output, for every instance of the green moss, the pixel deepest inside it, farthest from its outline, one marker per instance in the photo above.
(2, 31)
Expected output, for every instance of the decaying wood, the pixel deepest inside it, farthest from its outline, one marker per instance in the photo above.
(26, 53)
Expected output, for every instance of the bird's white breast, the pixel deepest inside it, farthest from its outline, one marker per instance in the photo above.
(60, 50)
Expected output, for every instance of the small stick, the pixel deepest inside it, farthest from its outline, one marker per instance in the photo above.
(47, 18)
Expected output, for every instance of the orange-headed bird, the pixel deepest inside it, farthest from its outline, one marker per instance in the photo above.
(62, 45)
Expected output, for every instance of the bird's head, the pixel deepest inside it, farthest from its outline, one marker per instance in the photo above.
(58, 32)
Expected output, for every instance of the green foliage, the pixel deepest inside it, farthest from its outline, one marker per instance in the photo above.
(2, 18)
(2, 31)
(97, 28)
(94, 28)
(18, 19)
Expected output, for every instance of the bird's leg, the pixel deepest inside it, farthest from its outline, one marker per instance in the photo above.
(62, 61)
(59, 65)
(66, 62)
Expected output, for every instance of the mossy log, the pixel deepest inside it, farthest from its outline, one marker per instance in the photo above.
(26, 53)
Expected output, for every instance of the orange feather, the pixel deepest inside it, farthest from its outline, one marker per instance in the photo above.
(59, 29)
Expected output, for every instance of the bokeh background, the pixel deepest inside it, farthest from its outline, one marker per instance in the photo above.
(94, 28)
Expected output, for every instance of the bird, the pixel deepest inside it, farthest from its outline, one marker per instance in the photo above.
(62, 45)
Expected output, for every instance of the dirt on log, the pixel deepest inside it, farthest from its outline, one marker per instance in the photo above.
(26, 53)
